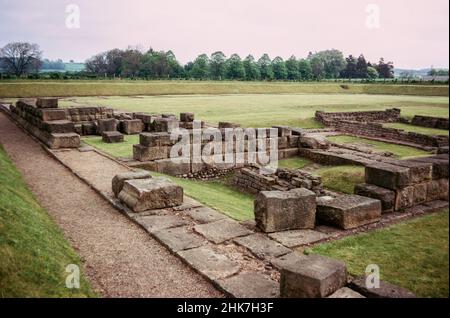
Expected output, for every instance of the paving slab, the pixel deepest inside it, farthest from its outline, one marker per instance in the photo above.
(298, 237)
(385, 290)
(284, 260)
(155, 223)
(179, 238)
(188, 203)
(205, 215)
(346, 292)
(262, 246)
(249, 285)
(209, 263)
(222, 230)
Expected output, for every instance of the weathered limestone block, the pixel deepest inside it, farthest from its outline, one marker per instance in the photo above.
(156, 139)
(386, 196)
(312, 276)
(132, 126)
(119, 179)
(149, 194)
(419, 171)
(420, 193)
(58, 126)
(437, 190)
(187, 117)
(48, 114)
(440, 165)
(346, 292)
(88, 128)
(165, 124)
(142, 153)
(66, 140)
(388, 176)
(293, 141)
(404, 198)
(112, 137)
(349, 211)
(285, 210)
(47, 102)
(314, 141)
(249, 285)
(109, 124)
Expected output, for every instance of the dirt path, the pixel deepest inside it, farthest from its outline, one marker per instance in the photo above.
(121, 260)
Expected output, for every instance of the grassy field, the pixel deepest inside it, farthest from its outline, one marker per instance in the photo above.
(400, 152)
(117, 150)
(341, 178)
(33, 251)
(417, 129)
(29, 88)
(413, 254)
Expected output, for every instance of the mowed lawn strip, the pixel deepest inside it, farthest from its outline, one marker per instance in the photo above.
(413, 254)
(417, 129)
(119, 150)
(33, 251)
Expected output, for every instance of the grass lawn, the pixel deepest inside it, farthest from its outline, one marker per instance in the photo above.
(341, 178)
(293, 163)
(32, 88)
(400, 152)
(33, 251)
(417, 129)
(265, 110)
(118, 150)
(414, 254)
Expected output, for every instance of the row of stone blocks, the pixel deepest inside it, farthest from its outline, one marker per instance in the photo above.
(300, 209)
(401, 184)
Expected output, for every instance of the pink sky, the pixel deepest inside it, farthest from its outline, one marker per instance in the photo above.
(412, 33)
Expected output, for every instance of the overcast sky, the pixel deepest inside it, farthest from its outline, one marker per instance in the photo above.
(411, 33)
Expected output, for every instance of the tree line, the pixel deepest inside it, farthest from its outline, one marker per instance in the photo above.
(21, 58)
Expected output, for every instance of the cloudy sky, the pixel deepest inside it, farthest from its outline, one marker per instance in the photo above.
(412, 33)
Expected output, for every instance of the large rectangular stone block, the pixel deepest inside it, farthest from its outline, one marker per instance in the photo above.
(440, 165)
(47, 102)
(187, 117)
(119, 179)
(349, 211)
(112, 137)
(173, 167)
(285, 210)
(404, 198)
(418, 171)
(58, 126)
(109, 124)
(437, 190)
(165, 124)
(48, 114)
(386, 196)
(312, 276)
(149, 194)
(142, 153)
(388, 176)
(65, 140)
(156, 139)
(131, 126)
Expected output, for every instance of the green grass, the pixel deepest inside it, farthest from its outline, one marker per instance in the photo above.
(220, 195)
(294, 163)
(413, 254)
(341, 178)
(399, 151)
(119, 150)
(32, 88)
(33, 251)
(417, 129)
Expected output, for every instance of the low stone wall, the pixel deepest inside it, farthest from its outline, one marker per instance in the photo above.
(43, 119)
(388, 115)
(250, 180)
(431, 122)
(402, 184)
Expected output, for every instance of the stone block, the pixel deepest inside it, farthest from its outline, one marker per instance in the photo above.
(119, 179)
(420, 193)
(205, 215)
(131, 127)
(346, 292)
(249, 285)
(48, 114)
(142, 153)
(179, 238)
(66, 140)
(154, 223)
(222, 230)
(312, 276)
(385, 290)
(437, 190)
(262, 246)
(314, 141)
(283, 131)
(112, 137)
(173, 167)
(224, 124)
(404, 198)
(187, 117)
(285, 210)
(109, 124)
(165, 124)
(439, 165)
(156, 139)
(88, 128)
(58, 126)
(47, 102)
(296, 238)
(349, 211)
(149, 194)
(387, 175)
(419, 171)
(386, 196)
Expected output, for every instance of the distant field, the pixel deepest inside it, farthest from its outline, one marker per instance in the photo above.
(126, 88)
(259, 110)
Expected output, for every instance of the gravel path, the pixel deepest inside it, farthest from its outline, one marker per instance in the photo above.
(121, 260)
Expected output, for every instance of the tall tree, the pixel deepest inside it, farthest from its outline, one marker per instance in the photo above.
(385, 70)
(332, 62)
(304, 69)
(200, 68)
(20, 58)
(132, 62)
(317, 67)
(265, 67)
(251, 69)
(361, 67)
(218, 65)
(350, 70)
(279, 68)
(292, 69)
(235, 67)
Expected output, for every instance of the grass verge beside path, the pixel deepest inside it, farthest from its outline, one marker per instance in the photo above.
(417, 129)
(118, 150)
(414, 254)
(33, 251)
